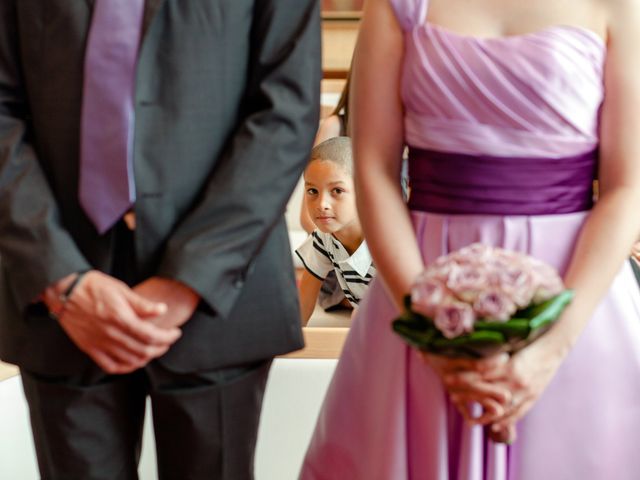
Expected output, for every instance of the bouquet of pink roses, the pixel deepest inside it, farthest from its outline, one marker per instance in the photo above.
(481, 300)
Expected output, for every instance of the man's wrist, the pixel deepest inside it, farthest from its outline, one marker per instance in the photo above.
(57, 295)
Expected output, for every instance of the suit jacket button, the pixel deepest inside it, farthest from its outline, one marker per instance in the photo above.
(238, 283)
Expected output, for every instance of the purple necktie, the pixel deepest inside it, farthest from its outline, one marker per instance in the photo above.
(106, 187)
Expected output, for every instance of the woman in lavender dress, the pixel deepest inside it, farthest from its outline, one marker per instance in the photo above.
(510, 110)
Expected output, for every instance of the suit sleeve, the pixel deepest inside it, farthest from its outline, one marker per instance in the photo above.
(212, 248)
(36, 250)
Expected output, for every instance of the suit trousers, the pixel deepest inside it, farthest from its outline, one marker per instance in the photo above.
(89, 426)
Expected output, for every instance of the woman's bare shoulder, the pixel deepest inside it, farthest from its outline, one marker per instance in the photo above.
(622, 15)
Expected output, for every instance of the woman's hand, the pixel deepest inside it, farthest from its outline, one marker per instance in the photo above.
(527, 374)
(464, 381)
(506, 387)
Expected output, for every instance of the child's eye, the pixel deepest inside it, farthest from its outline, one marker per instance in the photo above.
(338, 191)
(312, 191)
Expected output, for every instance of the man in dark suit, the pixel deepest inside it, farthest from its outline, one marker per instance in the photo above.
(189, 292)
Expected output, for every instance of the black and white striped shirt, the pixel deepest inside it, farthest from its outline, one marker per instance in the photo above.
(322, 252)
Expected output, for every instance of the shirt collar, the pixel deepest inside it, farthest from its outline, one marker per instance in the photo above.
(361, 260)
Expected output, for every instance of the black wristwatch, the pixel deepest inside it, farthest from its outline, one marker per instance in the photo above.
(64, 297)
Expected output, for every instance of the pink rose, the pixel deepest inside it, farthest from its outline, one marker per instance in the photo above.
(454, 319)
(517, 281)
(548, 288)
(466, 282)
(427, 294)
(547, 281)
(476, 252)
(494, 305)
(492, 282)
(499, 262)
(441, 271)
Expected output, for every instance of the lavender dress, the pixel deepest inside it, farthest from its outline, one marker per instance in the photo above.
(503, 136)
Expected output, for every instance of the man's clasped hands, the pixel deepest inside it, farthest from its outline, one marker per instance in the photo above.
(122, 328)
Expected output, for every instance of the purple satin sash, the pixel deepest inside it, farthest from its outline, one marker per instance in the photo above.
(454, 183)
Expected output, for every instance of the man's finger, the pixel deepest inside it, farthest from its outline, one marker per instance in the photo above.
(130, 361)
(104, 361)
(143, 351)
(147, 332)
(125, 358)
(126, 349)
(142, 306)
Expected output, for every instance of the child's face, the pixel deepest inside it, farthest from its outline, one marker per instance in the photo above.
(330, 197)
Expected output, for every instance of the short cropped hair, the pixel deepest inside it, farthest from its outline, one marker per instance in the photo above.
(336, 149)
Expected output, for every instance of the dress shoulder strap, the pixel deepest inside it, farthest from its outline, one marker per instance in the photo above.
(410, 13)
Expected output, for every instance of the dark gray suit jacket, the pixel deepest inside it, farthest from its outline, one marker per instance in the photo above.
(227, 103)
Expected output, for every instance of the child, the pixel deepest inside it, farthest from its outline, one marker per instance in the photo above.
(337, 244)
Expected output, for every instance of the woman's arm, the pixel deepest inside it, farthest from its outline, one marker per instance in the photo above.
(614, 223)
(330, 127)
(378, 134)
(612, 227)
(377, 128)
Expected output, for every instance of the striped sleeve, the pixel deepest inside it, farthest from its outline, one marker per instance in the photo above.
(315, 257)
